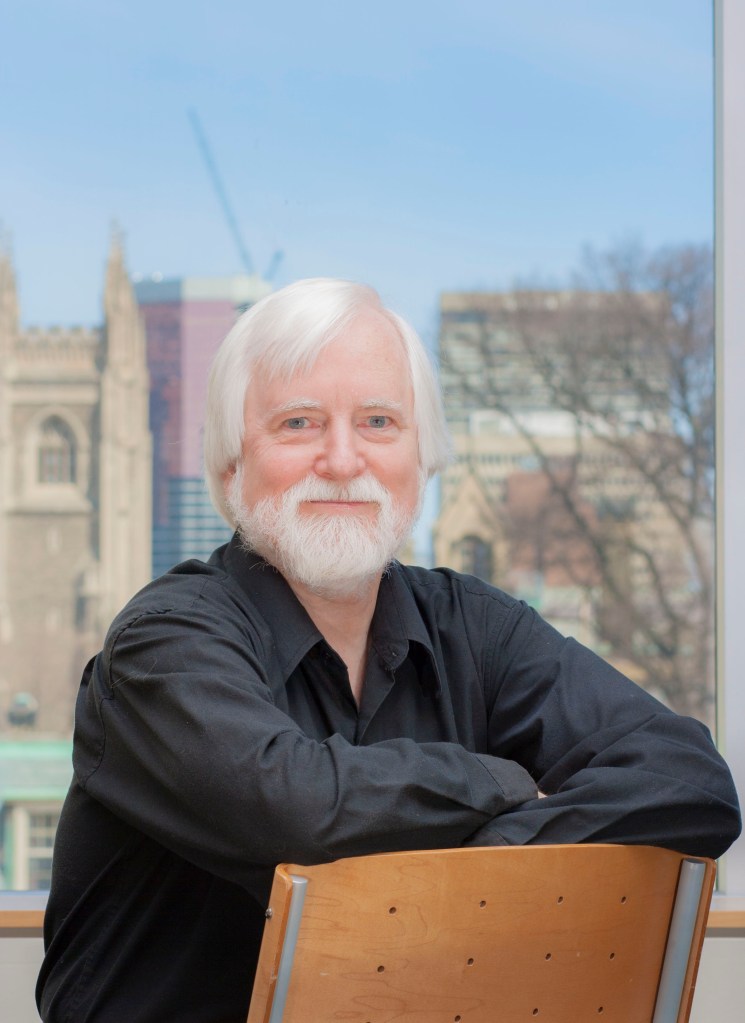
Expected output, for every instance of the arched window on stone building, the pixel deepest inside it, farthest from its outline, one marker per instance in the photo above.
(476, 557)
(56, 452)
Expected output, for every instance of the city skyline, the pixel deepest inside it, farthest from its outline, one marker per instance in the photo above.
(422, 150)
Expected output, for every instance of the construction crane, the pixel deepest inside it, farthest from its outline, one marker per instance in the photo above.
(227, 209)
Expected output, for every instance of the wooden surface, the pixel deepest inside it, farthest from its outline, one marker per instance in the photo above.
(22, 919)
(33, 919)
(726, 919)
(538, 933)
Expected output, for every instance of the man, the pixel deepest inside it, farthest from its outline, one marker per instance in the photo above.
(304, 697)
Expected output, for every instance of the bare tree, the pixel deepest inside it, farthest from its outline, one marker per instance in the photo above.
(622, 365)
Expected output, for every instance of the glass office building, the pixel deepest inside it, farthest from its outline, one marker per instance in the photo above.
(185, 320)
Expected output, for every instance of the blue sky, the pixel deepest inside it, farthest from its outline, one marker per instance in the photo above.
(418, 146)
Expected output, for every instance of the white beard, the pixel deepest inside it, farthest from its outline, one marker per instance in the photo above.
(332, 555)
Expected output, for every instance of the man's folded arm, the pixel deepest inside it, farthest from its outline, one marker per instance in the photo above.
(614, 764)
(613, 805)
(178, 734)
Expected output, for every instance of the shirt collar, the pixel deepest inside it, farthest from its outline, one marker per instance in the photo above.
(397, 626)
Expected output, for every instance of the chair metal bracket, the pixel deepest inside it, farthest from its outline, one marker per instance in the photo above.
(677, 952)
(297, 900)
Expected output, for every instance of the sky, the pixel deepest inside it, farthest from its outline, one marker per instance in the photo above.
(418, 146)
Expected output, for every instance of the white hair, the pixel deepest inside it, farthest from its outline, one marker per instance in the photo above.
(282, 335)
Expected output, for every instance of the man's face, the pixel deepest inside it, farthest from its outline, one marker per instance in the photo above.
(327, 441)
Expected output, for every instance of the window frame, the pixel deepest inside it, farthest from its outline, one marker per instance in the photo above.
(729, 254)
(729, 174)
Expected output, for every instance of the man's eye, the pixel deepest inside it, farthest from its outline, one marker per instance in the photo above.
(296, 423)
(378, 422)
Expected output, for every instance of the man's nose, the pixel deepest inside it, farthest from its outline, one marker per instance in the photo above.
(341, 455)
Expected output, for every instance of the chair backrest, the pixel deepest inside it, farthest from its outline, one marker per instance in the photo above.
(561, 933)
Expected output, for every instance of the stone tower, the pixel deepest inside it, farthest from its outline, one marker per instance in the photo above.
(75, 459)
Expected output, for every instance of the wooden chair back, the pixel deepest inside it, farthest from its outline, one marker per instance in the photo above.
(531, 934)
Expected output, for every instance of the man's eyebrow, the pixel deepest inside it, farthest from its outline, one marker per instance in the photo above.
(296, 405)
(310, 404)
(393, 406)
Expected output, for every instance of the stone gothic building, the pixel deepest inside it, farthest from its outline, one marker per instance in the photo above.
(75, 496)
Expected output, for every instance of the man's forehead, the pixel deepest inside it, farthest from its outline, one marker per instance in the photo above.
(371, 342)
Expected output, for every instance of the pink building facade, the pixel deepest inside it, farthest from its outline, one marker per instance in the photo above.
(185, 320)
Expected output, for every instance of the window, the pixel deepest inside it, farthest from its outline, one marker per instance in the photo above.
(496, 150)
(475, 557)
(56, 461)
(29, 840)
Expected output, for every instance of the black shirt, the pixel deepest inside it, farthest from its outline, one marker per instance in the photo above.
(217, 735)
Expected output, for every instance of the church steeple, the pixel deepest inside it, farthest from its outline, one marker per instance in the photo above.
(8, 299)
(124, 333)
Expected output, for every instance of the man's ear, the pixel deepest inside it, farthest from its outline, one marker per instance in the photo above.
(227, 478)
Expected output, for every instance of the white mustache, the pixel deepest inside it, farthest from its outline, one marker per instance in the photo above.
(362, 488)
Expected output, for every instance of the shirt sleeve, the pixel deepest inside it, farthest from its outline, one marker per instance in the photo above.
(614, 763)
(177, 733)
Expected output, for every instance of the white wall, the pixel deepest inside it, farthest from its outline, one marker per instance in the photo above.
(20, 959)
(720, 990)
